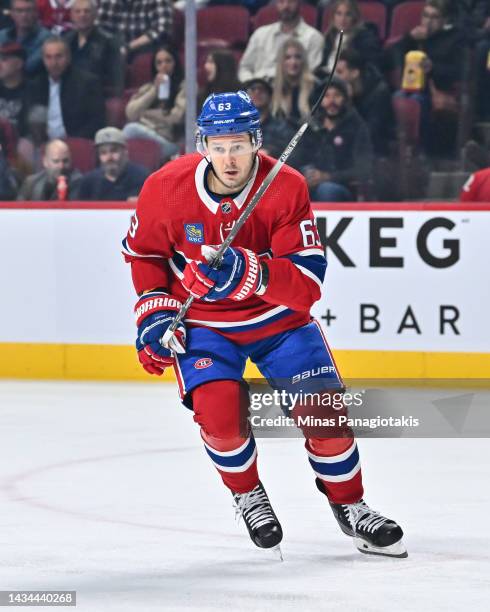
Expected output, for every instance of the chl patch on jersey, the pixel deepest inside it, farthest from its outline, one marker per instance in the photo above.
(226, 206)
(204, 362)
(194, 232)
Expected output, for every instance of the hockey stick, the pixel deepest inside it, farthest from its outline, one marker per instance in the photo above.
(258, 194)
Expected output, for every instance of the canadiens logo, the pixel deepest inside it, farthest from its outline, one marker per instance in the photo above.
(194, 232)
(226, 206)
(225, 229)
(204, 362)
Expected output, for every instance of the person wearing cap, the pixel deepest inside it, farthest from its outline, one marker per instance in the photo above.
(116, 178)
(276, 133)
(27, 31)
(72, 99)
(45, 185)
(13, 85)
(336, 155)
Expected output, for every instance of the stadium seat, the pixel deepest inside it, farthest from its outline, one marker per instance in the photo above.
(374, 12)
(268, 14)
(139, 71)
(230, 23)
(147, 153)
(82, 153)
(405, 17)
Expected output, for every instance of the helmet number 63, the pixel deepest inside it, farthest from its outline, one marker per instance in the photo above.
(224, 106)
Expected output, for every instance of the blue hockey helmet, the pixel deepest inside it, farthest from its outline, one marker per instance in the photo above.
(228, 113)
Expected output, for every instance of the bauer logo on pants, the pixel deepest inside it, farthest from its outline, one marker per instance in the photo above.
(205, 362)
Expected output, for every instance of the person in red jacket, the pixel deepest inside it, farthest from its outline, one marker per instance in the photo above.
(477, 187)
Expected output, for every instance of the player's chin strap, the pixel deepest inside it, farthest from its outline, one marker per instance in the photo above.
(273, 172)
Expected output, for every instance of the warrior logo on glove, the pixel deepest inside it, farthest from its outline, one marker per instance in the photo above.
(237, 277)
(155, 312)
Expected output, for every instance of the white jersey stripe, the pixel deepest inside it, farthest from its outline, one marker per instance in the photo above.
(260, 318)
(308, 273)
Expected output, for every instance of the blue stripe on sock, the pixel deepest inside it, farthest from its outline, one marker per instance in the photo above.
(338, 468)
(233, 460)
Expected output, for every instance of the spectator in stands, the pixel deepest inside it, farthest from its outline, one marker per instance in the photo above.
(363, 37)
(157, 110)
(276, 133)
(140, 24)
(13, 86)
(293, 84)
(94, 50)
(371, 97)
(48, 184)
(26, 31)
(55, 14)
(445, 46)
(440, 40)
(336, 156)
(221, 74)
(72, 99)
(260, 57)
(116, 178)
(472, 17)
(477, 187)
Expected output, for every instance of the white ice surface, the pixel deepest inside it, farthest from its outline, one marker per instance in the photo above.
(105, 489)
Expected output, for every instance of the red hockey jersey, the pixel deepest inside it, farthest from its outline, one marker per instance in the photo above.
(477, 187)
(176, 215)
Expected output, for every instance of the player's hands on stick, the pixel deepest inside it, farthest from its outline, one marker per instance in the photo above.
(237, 276)
(155, 311)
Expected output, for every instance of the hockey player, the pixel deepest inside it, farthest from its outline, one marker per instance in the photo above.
(255, 304)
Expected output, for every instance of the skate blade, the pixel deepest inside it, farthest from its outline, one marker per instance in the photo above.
(397, 549)
(277, 552)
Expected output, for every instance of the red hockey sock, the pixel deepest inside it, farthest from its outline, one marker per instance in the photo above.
(221, 409)
(336, 464)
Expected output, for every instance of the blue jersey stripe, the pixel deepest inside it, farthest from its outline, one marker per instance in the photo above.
(316, 264)
(246, 328)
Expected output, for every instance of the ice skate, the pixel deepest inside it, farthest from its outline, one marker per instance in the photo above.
(373, 533)
(258, 515)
